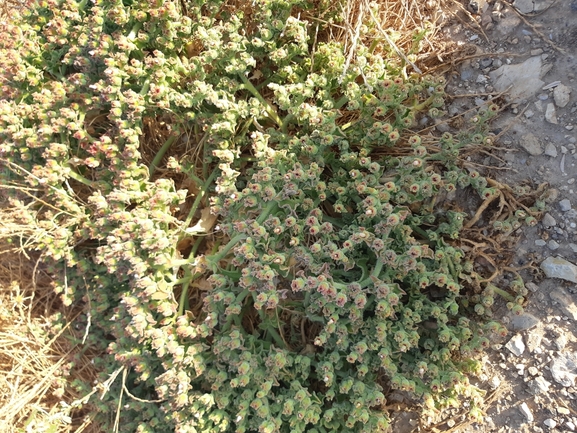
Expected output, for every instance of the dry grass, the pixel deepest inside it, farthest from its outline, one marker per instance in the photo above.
(35, 368)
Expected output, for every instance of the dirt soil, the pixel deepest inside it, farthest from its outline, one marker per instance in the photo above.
(528, 49)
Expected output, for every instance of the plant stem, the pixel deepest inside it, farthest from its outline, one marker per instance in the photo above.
(239, 299)
(199, 197)
(134, 31)
(183, 301)
(270, 110)
(79, 178)
(504, 294)
(422, 105)
(145, 87)
(160, 154)
(272, 206)
(213, 260)
(341, 102)
(276, 337)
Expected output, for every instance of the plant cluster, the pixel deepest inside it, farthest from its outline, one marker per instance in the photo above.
(335, 274)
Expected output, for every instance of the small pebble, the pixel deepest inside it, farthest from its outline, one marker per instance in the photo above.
(548, 220)
(539, 385)
(565, 205)
(550, 150)
(553, 245)
(562, 410)
(551, 423)
(516, 345)
(526, 412)
(495, 382)
(570, 425)
(540, 243)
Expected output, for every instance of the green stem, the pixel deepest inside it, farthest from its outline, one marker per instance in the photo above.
(423, 104)
(378, 268)
(285, 123)
(183, 301)
(79, 178)
(504, 294)
(375, 273)
(334, 221)
(341, 102)
(145, 87)
(188, 278)
(276, 337)
(239, 299)
(452, 270)
(134, 31)
(374, 45)
(160, 154)
(195, 248)
(199, 197)
(271, 207)
(213, 260)
(270, 110)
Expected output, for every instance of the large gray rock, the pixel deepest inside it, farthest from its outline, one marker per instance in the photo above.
(562, 95)
(564, 302)
(564, 369)
(523, 78)
(522, 322)
(555, 267)
(524, 6)
(531, 144)
(541, 5)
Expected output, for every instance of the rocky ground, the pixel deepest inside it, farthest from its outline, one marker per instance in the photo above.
(527, 48)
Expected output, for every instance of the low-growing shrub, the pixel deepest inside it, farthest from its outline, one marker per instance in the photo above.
(333, 274)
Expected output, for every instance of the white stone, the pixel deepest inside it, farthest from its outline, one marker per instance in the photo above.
(551, 423)
(562, 95)
(495, 382)
(564, 369)
(555, 267)
(516, 345)
(551, 114)
(526, 412)
(539, 385)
